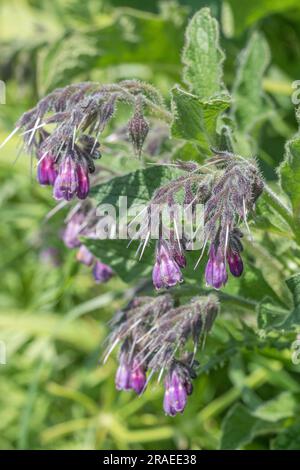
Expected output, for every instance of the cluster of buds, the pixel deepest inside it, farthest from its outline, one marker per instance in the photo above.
(155, 337)
(63, 130)
(233, 196)
(81, 222)
(227, 189)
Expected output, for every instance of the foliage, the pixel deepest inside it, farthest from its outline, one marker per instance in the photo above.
(53, 394)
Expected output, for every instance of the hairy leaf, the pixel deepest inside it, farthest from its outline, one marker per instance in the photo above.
(240, 427)
(195, 119)
(202, 56)
(249, 102)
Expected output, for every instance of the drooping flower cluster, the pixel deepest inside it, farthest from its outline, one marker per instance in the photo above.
(81, 222)
(227, 191)
(63, 130)
(155, 338)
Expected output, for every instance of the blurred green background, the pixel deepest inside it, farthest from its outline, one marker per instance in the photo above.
(53, 392)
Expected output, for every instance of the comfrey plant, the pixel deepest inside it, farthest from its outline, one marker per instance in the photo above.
(196, 165)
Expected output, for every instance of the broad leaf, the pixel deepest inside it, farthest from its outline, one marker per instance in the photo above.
(269, 315)
(240, 427)
(202, 56)
(289, 439)
(249, 103)
(127, 264)
(195, 119)
(137, 186)
(246, 14)
(132, 38)
(290, 176)
(282, 406)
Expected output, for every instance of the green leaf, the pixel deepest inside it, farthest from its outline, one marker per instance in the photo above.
(289, 172)
(282, 406)
(240, 427)
(269, 315)
(289, 439)
(195, 119)
(247, 13)
(202, 56)
(250, 105)
(127, 265)
(272, 215)
(132, 38)
(122, 258)
(137, 186)
(293, 318)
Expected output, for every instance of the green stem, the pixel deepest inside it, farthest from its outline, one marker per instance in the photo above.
(214, 408)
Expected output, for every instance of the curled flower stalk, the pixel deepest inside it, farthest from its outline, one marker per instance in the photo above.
(64, 128)
(155, 338)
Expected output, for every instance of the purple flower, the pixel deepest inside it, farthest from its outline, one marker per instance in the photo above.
(83, 181)
(66, 183)
(215, 271)
(84, 256)
(235, 263)
(102, 272)
(166, 272)
(46, 170)
(72, 230)
(137, 380)
(177, 389)
(130, 375)
(122, 379)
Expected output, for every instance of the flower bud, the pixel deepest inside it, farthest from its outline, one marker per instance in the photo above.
(66, 183)
(235, 263)
(84, 256)
(46, 170)
(138, 129)
(123, 374)
(166, 272)
(72, 230)
(102, 272)
(137, 380)
(177, 389)
(83, 181)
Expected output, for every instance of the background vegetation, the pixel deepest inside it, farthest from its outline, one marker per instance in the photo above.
(53, 392)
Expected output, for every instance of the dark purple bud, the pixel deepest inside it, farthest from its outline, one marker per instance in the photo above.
(66, 183)
(215, 271)
(138, 378)
(176, 392)
(166, 272)
(179, 257)
(84, 256)
(72, 230)
(138, 129)
(46, 170)
(235, 263)
(83, 181)
(102, 272)
(122, 379)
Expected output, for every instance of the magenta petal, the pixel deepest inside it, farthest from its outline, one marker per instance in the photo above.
(46, 170)
(83, 182)
(66, 184)
(102, 272)
(235, 263)
(215, 271)
(137, 377)
(84, 256)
